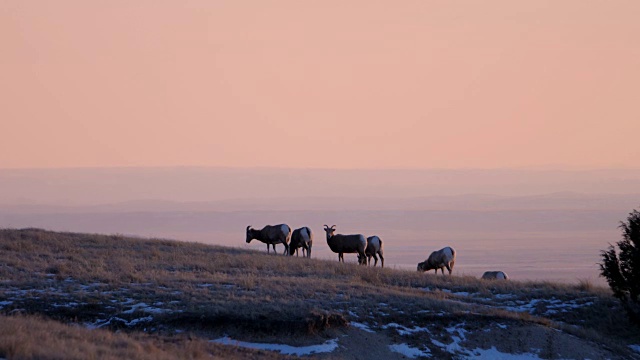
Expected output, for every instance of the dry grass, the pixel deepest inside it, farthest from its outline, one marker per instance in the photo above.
(38, 338)
(208, 291)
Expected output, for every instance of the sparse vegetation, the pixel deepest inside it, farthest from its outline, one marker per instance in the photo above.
(622, 269)
(169, 298)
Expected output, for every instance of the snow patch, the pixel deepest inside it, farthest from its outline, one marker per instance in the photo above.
(493, 353)
(551, 306)
(457, 335)
(635, 348)
(361, 326)
(101, 323)
(409, 351)
(504, 296)
(327, 346)
(145, 308)
(403, 330)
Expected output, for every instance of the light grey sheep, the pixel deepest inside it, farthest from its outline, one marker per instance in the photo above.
(374, 246)
(443, 258)
(342, 244)
(301, 238)
(491, 275)
(271, 235)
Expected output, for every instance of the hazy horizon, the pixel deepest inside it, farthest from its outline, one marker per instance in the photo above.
(99, 186)
(541, 225)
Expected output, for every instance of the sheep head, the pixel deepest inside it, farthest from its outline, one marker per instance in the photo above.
(424, 266)
(249, 237)
(329, 230)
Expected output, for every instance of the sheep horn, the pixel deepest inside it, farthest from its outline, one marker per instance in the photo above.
(326, 226)
(248, 227)
(333, 227)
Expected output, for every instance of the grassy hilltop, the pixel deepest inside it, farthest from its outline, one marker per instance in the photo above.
(79, 296)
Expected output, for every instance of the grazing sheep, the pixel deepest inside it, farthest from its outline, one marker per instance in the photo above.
(271, 235)
(374, 246)
(301, 238)
(341, 244)
(490, 275)
(440, 259)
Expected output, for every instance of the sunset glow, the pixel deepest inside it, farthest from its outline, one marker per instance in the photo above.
(320, 84)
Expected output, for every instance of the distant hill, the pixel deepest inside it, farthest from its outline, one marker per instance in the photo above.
(70, 295)
(97, 186)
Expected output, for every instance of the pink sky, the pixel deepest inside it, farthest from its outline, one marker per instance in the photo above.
(341, 84)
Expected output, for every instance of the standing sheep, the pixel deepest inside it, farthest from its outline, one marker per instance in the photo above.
(341, 244)
(301, 238)
(271, 235)
(440, 259)
(374, 246)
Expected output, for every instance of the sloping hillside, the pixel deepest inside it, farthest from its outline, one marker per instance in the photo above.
(66, 295)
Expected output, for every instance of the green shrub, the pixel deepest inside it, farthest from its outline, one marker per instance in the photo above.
(622, 269)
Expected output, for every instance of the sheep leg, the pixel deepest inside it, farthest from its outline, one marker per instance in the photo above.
(448, 268)
(340, 257)
(381, 259)
(375, 258)
(267, 248)
(309, 252)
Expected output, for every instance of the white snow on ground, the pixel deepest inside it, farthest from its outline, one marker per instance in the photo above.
(409, 351)
(504, 296)
(494, 354)
(635, 348)
(100, 323)
(68, 305)
(552, 306)
(361, 326)
(5, 303)
(146, 308)
(457, 335)
(327, 346)
(458, 293)
(92, 286)
(403, 330)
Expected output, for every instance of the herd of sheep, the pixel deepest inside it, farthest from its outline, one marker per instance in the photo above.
(365, 247)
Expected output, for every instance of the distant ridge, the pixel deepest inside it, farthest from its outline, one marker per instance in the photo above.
(99, 186)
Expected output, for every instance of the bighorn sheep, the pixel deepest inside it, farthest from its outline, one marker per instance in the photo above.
(374, 246)
(490, 275)
(341, 244)
(301, 238)
(439, 260)
(271, 235)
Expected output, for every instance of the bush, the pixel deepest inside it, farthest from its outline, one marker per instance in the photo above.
(622, 269)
